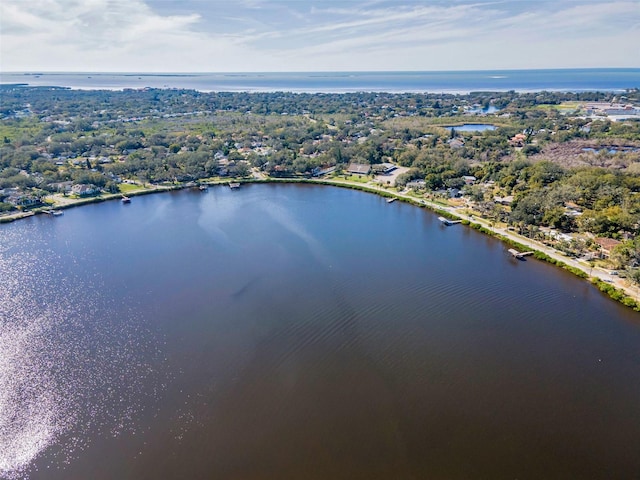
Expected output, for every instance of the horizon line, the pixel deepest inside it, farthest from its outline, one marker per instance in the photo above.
(242, 72)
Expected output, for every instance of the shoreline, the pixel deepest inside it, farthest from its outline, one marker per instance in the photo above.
(324, 91)
(615, 291)
(448, 82)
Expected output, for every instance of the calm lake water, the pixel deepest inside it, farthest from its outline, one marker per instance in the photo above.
(472, 127)
(292, 331)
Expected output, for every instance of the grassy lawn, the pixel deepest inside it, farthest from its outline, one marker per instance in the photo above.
(563, 107)
(19, 128)
(413, 193)
(128, 187)
(355, 178)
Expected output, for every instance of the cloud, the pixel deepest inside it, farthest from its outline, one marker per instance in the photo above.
(481, 36)
(99, 35)
(276, 35)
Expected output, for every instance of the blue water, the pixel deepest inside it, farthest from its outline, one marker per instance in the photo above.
(282, 332)
(328, 82)
(485, 110)
(472, 127)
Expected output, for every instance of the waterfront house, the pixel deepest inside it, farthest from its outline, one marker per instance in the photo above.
(320, 172)
(606, 245)
(84, 190)
(386, 168)
(359, 169)
(417, 184)
(62, 186)
(23, 200)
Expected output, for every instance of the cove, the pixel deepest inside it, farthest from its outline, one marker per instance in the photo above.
(302, 331)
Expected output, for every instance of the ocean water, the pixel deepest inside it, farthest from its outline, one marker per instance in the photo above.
(339, 82)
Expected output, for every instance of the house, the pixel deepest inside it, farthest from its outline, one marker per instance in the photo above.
(560, 236)
(518, 140)
(572, 209)
(84, 190)
(320, 172)
(382, 168)
(386, 168)
(62, 186)
(20, 200)
(456, 143)
(508, 200)
(469, 179)
(359, 169)
(606, 245)
(417, 184)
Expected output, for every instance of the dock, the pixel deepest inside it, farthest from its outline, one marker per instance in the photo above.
(448, 222)
(519, 255)
(391, 200)
(234, 185)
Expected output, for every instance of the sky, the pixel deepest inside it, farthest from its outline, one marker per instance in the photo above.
(316, 35)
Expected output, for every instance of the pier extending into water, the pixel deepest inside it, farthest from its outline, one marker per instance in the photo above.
(519, 255)
(448, 222)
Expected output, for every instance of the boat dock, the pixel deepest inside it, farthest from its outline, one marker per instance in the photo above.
(234, 185)
(519, 255)
(448, 222)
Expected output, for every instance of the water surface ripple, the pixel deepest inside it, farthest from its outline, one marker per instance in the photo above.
(292, 331)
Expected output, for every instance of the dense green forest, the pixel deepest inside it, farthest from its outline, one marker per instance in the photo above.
(549, 162)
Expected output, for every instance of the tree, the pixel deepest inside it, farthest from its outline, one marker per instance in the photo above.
(242, 169)
(633, 274)
(6, 207)
(626, 254)
(529, 209)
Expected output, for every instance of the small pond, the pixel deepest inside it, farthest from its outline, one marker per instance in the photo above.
(472, 127)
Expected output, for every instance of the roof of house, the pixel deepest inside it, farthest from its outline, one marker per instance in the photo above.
(607, 243)
(507, 199)
(359, 168)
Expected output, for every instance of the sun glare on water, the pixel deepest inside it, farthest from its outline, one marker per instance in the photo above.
(62, 373)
